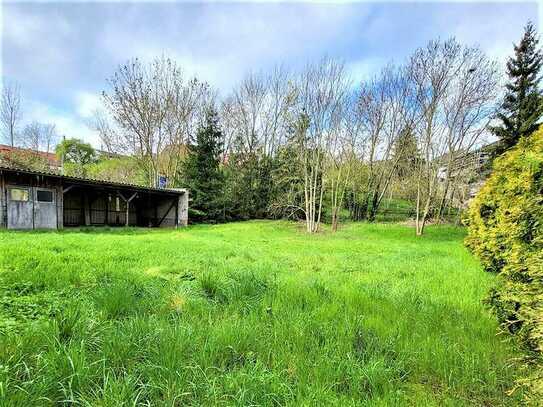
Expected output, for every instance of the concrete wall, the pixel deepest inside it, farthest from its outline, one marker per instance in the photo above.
(183, 209)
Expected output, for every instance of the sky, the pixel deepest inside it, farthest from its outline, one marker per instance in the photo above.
(61, 53)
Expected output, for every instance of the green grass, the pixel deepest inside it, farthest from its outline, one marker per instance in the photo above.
(254, 313)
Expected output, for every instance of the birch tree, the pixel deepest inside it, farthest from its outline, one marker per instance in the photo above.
(321, 92)
(452, 101)
(467, 108)
(431, 70)
(386, 110)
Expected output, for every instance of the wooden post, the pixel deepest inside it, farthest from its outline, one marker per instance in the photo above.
(177, 214)
(60, 204)
(60, 207)
(106, 215)
(128, 204)
(86, 208)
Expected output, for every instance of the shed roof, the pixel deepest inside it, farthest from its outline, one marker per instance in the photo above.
(90, 181)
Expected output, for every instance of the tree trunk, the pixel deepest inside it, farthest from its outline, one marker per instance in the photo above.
(335, 219)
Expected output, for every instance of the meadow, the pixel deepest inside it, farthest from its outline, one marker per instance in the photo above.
(249, 313)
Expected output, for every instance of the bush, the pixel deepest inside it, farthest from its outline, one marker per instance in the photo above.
(506, 233)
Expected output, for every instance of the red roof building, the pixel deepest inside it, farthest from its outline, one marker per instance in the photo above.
(13, 155)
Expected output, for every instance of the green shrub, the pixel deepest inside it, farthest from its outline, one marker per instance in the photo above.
(506, 233)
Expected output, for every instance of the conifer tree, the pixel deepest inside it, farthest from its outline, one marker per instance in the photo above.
(405, 153)
(202, 172)
(522, 106)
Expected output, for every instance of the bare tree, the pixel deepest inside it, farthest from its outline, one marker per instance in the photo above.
(31, 136)
(384, 110)
(10, 111)
(103, 124)
(321, 93)
(248, 106)
(254, 116)
(467, 109)
(154, 111)
(431, 70)
(342, 159)
(452, 101)
(345, 156)
(38, 136)
(50, 137)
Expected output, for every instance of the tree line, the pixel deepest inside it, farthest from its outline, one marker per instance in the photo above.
(314, 144)
(309, 144)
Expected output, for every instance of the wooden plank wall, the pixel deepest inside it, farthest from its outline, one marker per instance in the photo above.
(3, 202)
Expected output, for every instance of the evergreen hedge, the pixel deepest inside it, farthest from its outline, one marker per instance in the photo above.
(506, 232)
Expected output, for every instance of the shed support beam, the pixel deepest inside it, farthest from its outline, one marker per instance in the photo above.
(67, 189)
(60, 205)
(128, 204)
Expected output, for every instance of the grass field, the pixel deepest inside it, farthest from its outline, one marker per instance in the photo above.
(254, 313)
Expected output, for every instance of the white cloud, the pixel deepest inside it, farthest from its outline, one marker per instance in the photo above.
(87, 103)
(61, 54)
(364, 69)
(221, 42)
(67, 125)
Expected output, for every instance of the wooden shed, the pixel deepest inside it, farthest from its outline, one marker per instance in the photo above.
(41, 200)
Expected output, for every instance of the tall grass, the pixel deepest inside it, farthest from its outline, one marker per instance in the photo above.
(254, 313)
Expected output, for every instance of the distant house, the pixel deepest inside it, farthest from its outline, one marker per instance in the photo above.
(476, 160)
(469, 170)
(16, 156)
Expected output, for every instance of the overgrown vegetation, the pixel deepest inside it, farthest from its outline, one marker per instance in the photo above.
(506, 233)
(308, 144)
(254, 313)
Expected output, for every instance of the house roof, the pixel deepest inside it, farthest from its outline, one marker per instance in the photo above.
(89, 181)
(51, 158)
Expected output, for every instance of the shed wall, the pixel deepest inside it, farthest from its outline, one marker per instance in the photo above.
(3, 209)
(33, 213)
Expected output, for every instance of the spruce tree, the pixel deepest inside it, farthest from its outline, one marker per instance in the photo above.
(522, 106)
(202, 172)
(405, 153)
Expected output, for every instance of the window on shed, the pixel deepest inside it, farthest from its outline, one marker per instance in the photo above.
(44, 196)
(18, 194)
